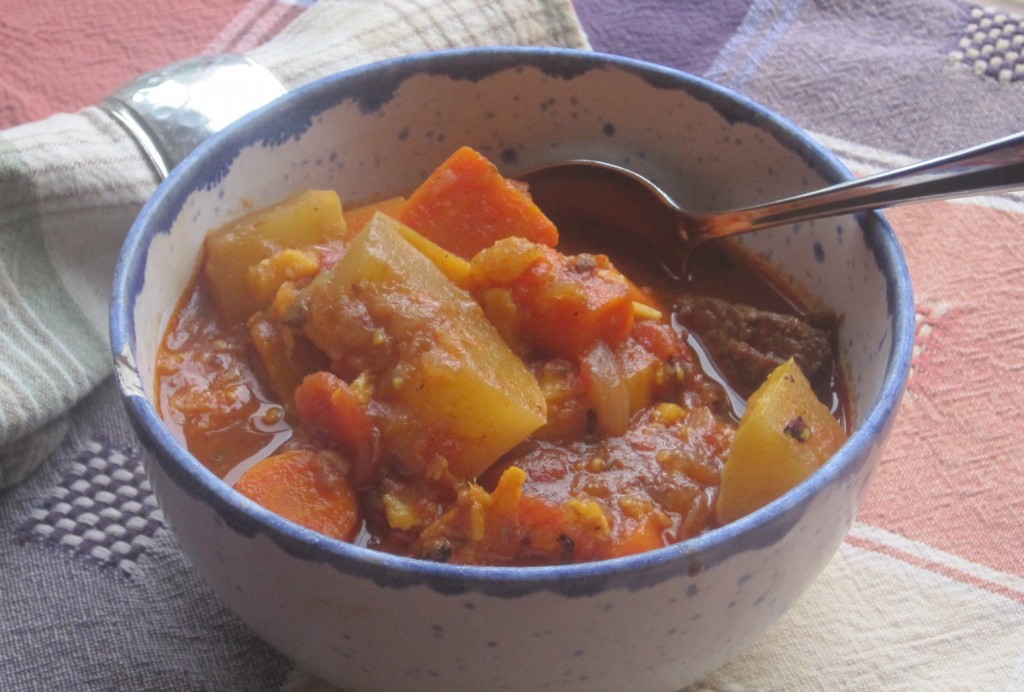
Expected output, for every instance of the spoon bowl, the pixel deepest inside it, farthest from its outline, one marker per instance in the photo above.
(591, 189)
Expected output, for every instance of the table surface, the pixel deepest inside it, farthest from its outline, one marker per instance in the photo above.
(927, 592)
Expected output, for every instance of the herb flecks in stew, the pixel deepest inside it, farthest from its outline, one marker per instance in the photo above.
(437, 377)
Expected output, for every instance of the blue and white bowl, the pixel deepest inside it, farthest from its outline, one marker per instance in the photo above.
(657, 621)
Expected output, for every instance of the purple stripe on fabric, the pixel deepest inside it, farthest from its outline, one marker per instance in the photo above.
(685, 34)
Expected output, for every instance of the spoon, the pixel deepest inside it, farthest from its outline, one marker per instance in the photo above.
(600, 190)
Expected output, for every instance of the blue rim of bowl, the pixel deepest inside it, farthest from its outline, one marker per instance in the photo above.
(632, 572)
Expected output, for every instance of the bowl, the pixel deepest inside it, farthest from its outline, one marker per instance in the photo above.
(365, 620)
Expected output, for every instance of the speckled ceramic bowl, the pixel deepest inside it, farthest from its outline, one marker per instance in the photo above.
(657, 621)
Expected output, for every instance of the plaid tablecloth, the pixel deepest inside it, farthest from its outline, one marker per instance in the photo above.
(927, 592)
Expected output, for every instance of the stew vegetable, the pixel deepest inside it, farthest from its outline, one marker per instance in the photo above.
(438, 376)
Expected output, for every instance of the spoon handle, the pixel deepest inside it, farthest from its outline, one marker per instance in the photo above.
(996, 165)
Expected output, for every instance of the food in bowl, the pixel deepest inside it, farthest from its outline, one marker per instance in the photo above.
(437, 377)
(365, 619)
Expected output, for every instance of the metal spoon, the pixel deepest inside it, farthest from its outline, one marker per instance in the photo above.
(996, 165)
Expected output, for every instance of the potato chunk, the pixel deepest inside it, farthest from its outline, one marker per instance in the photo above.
(784, 436)
(436, 361)
(248, 259)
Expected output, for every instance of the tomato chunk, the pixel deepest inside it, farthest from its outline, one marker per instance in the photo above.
(332, 411)
(564, 303)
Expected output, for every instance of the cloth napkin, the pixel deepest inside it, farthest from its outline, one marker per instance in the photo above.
(71, 185)
(926, 593)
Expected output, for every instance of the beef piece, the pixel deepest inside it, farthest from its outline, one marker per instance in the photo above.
(746, 344)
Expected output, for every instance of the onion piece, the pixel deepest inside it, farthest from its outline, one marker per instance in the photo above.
(606, 388)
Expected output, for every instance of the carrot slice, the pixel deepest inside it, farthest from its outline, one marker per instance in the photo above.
(466, 204)
(356, 218)
(307, 487)
(637, 536)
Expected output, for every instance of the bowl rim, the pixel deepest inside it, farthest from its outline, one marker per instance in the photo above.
(248, 517)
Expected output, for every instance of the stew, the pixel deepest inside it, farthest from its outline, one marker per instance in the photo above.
(447, 377)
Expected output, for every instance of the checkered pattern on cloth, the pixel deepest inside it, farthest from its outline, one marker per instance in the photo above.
(992, 44)
(102, 510)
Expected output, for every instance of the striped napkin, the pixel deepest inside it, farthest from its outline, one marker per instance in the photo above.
(71, 185)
